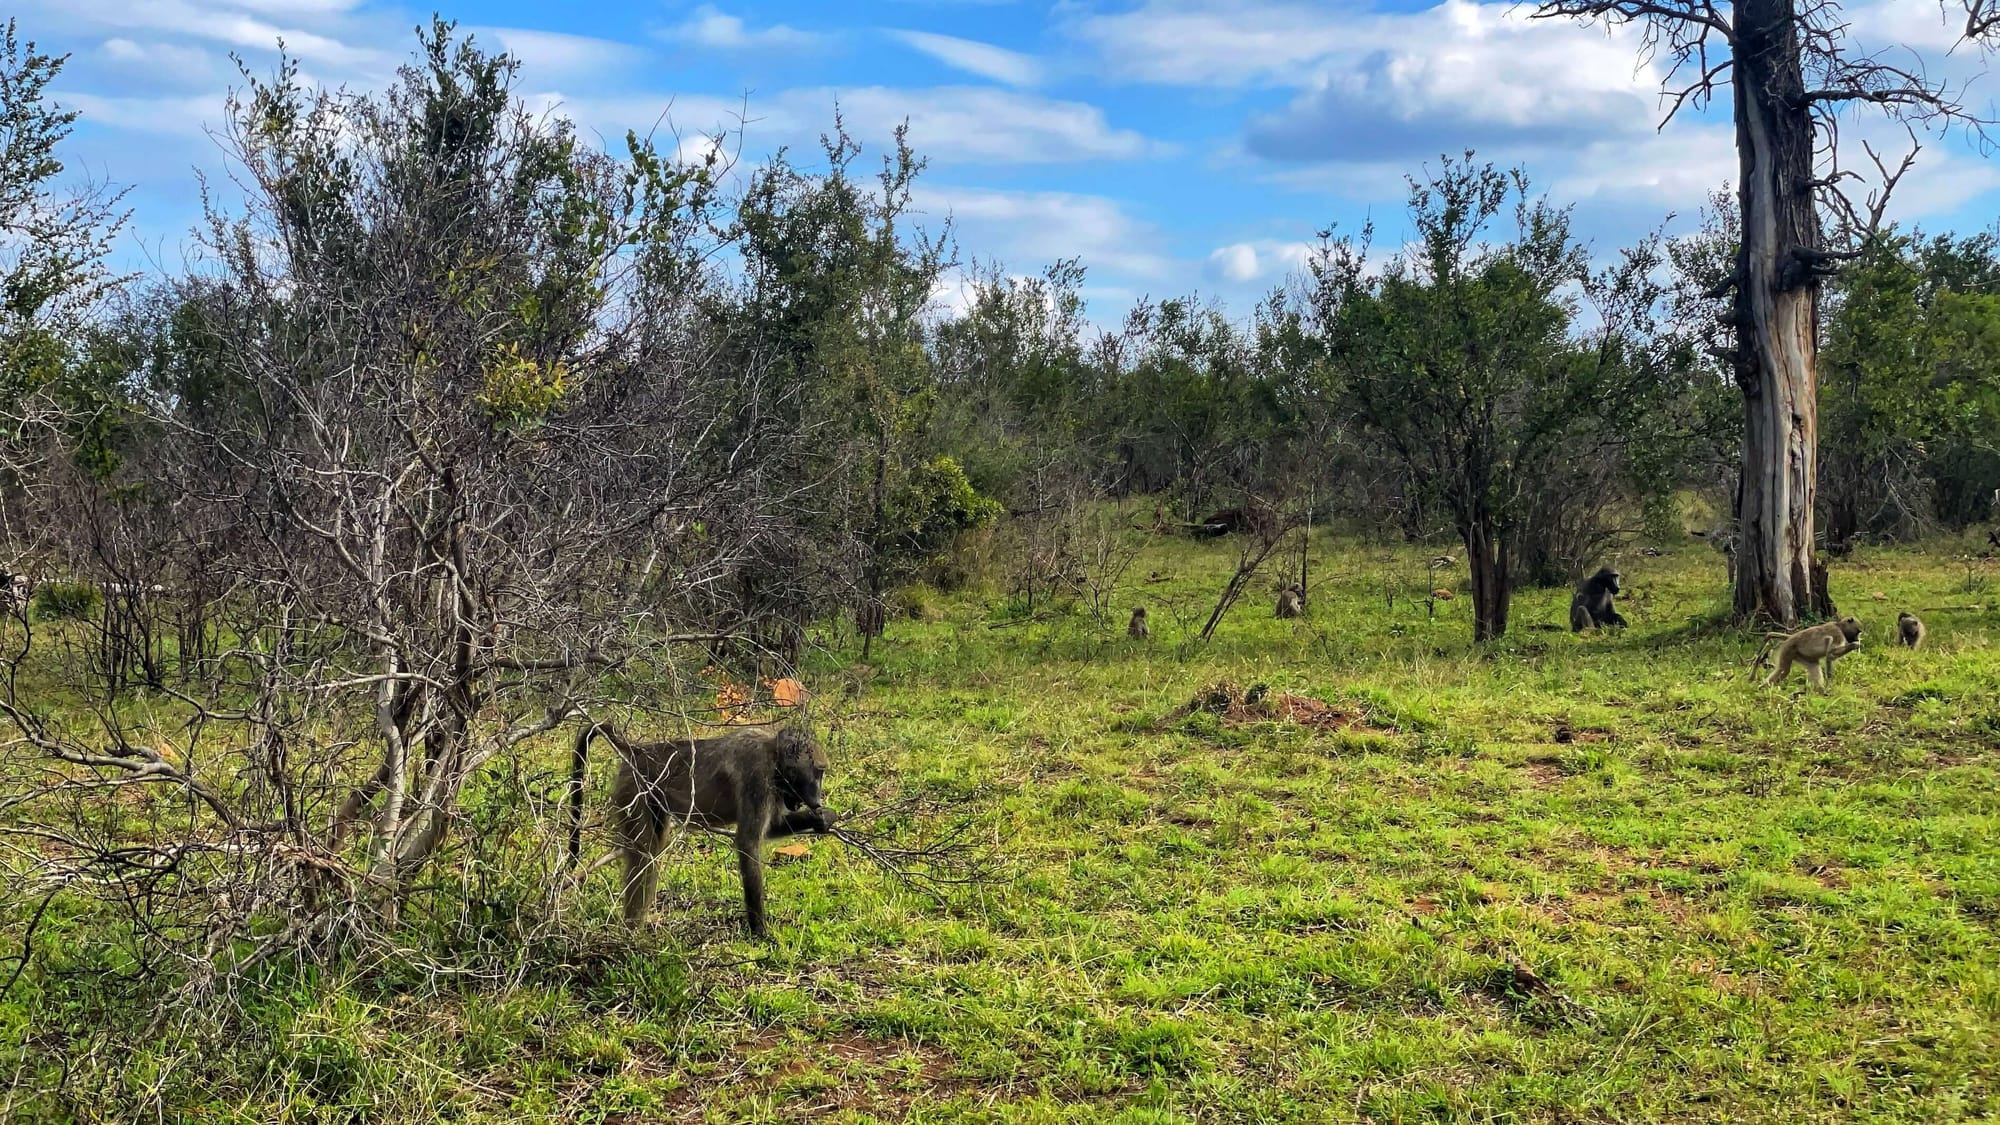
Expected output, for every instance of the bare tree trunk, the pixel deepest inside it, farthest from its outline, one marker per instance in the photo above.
(1777, 311)
(1492, 591)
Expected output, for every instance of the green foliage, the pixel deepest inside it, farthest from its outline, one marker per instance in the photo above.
(934, 504)
(519, 392)
(1460, 357)
(1910, 386)
(54, 273)
(66, 601)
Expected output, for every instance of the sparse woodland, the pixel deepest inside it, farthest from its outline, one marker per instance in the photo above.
(458, 432)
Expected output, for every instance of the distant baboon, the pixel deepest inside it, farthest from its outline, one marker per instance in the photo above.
(763, 780)
(1291, 602)
(1591, 607)
(1817, 648)
(1910, 629)
(869, 618)
(1137, 628)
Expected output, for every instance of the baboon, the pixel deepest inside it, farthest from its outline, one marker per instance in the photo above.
(869, 618)
(1910, 629)
(1137, 628)
(1291, 602)
(1817, 648)
(763, 780)
(1591, 608)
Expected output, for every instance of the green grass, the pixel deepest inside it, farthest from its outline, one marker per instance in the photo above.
(1725, 902)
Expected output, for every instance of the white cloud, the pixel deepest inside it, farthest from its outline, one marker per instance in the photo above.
(976, 124)
(717, 30)
(961, 124)
(1034, 228)
(173, 61)
(174, 117)
(1395, 86)
(1191, 43)
(982, 59)
(1674, 168)
(1241, 263)
(555, 56)
(234, 24)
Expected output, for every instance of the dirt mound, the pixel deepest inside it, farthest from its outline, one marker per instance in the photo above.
(1237, 704)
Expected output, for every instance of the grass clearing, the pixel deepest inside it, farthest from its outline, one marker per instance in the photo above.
(1562, 878)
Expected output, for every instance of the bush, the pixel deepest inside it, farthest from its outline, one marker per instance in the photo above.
(65, 601)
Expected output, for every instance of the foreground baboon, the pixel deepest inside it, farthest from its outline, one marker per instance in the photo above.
(1137, 628)
(1910, 629)
(763, 780)
(1291, 602)
(1817, 648)
(1591, 608)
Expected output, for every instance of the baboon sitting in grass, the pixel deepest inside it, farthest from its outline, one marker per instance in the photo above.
(1137, 629)
(1291, 602)
(1592, 608)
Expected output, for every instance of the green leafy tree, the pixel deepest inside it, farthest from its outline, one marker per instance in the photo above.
(1457, 357)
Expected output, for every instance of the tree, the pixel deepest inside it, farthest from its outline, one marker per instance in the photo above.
(836, 288)
(53, 244)
(1457, 358)
(1790, 71)
(441, 431)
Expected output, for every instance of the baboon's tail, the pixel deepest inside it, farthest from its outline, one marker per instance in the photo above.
(579, 765)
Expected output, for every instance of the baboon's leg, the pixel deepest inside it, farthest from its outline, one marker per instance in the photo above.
(1783, 669)
(639, 847)
(1816, 672)
(750, 865)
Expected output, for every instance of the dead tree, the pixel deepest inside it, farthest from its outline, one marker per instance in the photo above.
(1790, 71)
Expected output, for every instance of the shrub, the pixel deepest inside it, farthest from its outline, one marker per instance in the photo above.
(65, 601)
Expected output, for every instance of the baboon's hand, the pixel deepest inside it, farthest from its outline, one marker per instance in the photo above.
(823, 819)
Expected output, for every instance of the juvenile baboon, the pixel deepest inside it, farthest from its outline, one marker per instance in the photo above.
(1910, 629)
(1137, 628)
(1291, 602)
(1591, 608)
(1817, 648)
(763, 780)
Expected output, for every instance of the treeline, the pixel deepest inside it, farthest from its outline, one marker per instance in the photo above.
(1485, 381)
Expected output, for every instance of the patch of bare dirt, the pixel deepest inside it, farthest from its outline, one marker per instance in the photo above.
(1236, 705)
(846, 1072)
(1566, 734)
(1543, 774)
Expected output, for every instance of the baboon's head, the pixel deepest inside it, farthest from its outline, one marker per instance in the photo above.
(801, 765)
(1850, 628)
(1609, 579)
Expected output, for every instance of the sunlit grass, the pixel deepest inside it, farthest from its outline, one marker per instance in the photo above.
(1562, 878)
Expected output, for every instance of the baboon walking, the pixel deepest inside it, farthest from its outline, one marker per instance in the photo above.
(763, 780)
(1910, 630)
(1817, 648)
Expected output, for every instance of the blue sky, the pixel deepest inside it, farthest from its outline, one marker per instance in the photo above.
(1173, 145)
